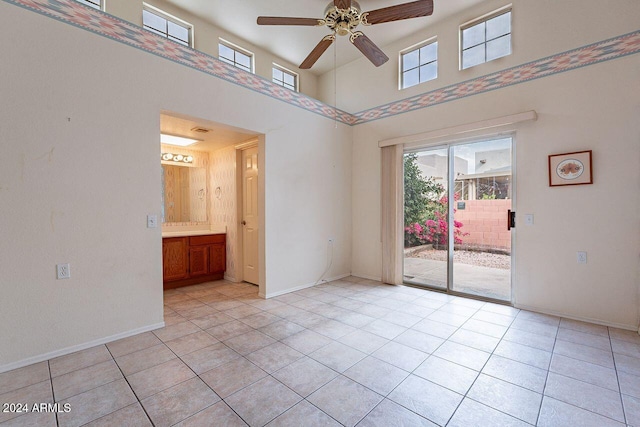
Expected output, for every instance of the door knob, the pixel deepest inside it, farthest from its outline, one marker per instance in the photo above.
(243, 222)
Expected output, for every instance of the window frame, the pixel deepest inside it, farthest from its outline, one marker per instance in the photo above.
(169, 18)
(296, 77)
(238, 49)
(484, 18)
(417, 46)
(91, 4)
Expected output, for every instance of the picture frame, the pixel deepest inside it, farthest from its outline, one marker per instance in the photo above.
(574, 168)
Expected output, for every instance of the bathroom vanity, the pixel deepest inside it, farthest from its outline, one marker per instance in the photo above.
(190, 258)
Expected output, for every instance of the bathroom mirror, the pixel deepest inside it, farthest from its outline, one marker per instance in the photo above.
(184, 195)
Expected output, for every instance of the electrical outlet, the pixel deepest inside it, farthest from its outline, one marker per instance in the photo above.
(152, 221)
(63, 271)
(581, 257)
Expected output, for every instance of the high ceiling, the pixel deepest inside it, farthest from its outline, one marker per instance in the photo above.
(294, 43)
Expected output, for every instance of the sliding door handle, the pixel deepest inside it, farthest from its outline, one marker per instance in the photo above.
(511, 219)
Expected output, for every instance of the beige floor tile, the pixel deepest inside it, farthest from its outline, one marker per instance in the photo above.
(220, 412)
(304, 414)
(130, 416)
(589, 328)
(541, 342)
(485, 328)
(249, 342)
(524, 354)
(211, 320)
(586, 396)
(629, 384)
(475, 340)
(389, 413)
(281, 329)
(416, 394)
(345, 400)
(305, 376)
(419, 341)
(597, 341)
(332, 329)
(630, 365)
(447, 374)
(262, 401)
(307, 341)
(190, 343)
(179, 402)
(22, 377)
(436, 329)
(85, 379)
(376, 375)
(585, 371)
(517, 373)
(133, 344)
(337, 356)
(197, 312)
(400, 355)
(364, 341)
(178, 330)
(233, 376)
(555, 413)
(584, 353)
(384, 329)
(81, 359)
(27, 396)
(260, 319)
(209, 357)
(472, 413)
(632, 410)
(229, 330)
(33, 419)
(627, 348)
(274, 356)
(506, 397)
(96, 403)
(144, 359)
(242, 311)
(161, 377)
(624, 335)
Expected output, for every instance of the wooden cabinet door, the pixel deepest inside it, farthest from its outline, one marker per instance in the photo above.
(218, 258)
(198, 260)
(175, 258)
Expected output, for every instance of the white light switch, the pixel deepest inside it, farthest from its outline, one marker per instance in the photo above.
(528, 219)
(152, 221)
(581, 257)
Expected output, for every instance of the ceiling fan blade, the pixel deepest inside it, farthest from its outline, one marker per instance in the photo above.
(317, 52)
(368, 48)
(414, 9)
(342, 4)
(276, 20)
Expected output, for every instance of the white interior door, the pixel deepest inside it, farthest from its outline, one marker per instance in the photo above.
(250, 214)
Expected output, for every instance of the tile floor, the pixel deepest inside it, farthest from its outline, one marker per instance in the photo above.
(350, 352)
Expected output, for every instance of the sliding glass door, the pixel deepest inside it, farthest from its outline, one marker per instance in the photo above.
(456, 231)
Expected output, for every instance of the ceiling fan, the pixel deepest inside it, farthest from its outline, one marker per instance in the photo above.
(343, 16)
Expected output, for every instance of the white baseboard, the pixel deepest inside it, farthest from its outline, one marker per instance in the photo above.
(305, 286)
(579, 318)
(365, 276)
(231, 279)
(63, 352)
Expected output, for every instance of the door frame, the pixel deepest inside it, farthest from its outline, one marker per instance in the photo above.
(260, 143)
(448, 144)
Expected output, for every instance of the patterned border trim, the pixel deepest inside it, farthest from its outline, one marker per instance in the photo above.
(79, 15)
(104, 24)
(606, 50)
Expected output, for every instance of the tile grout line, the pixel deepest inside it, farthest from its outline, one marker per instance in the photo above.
(544, 388)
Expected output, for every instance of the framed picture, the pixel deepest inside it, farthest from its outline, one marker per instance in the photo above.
(570, 169)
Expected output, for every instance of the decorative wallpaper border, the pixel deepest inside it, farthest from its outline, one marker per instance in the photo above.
(606, 50)
(85, 17)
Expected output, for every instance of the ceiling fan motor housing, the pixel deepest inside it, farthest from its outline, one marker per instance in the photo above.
(342, 21)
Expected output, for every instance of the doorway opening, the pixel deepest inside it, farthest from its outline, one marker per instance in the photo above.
(457, 222)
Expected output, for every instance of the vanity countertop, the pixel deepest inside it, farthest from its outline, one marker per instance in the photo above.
(187, 233)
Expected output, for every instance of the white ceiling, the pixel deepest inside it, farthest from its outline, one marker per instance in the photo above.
(294, 43)
(219, 135)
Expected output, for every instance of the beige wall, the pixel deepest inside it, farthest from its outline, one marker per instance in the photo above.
(206, 39)
(540, 28)
(582, 109)
(80, 121)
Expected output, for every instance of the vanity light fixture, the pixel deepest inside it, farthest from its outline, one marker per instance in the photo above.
(177, 140)
(178, 158)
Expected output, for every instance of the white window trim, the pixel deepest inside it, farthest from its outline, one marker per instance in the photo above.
(409, 49)
(241, 50)
(102, 5)
(485, 17)
(288, 71)
(172, 18)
